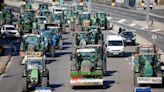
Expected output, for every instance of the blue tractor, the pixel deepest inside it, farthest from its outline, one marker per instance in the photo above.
(53, 39)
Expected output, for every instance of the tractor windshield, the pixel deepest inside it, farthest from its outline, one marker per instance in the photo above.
(147, 51)
(45, 13)
(34, 64)
(41, 20)
(79, 7)
(86, 16)
(115, 43)
(101, 15)
(87, 55)
(32, 40)
(146, 58)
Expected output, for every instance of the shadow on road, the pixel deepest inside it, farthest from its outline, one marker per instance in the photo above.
(67, 43)
(110, 73)
(62, 53)
(54, 86)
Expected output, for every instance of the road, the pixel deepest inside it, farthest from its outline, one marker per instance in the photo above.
(119, 72)
(131, 15)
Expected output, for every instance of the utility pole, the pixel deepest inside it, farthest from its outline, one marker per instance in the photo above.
(147, 12)
(89, 6)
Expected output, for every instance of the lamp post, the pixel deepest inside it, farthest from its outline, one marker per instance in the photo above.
(147, 12)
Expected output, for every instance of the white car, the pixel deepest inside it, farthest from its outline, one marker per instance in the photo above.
(114, 45)
(9, 31)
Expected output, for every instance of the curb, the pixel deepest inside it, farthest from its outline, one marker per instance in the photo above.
(7, 60)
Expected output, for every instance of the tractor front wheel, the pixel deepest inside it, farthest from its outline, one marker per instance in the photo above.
(24, 85)
(44, 82)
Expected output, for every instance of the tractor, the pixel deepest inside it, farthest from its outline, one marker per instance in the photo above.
(147, 66)
(43, 6)
(7, 15)
(26, 23)
(85, 21)
(94, 35)
(101, 20)
(27, 5)
(87, 67)
(40, 23)
(80, 39)
(58, 18)
(53, 38)
(45, 12)
(35, 74)
(31, 43)
(68, 16)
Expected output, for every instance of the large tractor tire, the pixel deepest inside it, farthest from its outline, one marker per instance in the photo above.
(24, 85)
(44, 82)
(52, 51)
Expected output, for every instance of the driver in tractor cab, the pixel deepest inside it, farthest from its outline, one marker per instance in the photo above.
(94, 19)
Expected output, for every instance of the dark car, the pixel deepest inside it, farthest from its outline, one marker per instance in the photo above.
(129, 37)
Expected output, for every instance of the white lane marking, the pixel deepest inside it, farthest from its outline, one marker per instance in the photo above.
(122, 20)
(155, 30)
(143, 28)
(133, 24)
(113, 32)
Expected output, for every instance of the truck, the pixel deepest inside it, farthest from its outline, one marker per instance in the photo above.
(147, 65)
(35, 73)
(87, 67)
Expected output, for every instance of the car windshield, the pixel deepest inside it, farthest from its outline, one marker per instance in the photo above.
(127, 34)
(115, 43)
(10, 28)
(34, 64)
(32, 40)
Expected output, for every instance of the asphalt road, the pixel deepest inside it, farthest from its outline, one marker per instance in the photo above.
(119, 72)
(127, 13)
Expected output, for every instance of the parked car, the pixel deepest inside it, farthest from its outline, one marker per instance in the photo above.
(114, 45)
(129, 37)
(9, 31)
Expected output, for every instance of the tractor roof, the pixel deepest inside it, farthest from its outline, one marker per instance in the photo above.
(26, 35)
(86, 50)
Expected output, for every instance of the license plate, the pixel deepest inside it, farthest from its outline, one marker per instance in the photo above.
(149, 80)
(128, 40)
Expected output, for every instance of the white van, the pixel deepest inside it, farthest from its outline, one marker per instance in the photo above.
(114, 45)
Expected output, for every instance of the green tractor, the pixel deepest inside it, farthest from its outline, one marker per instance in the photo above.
(40, 23)
(45, 12)
(101, 20)
(87, 67)
(85, 20)
(43, 6)
(7, 15)
(27, 5)
(58, 18)
(31, 43)
(80, 39)
(26, 23)
(35, 74)
(68, 17)
(147, 68)
(94, 35)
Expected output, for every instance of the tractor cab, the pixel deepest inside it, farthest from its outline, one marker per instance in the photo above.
(46, 13)
(35, 74)
(43, 6)
(101, 20)
(7, 15)
(85, 20)
(81, 39)
(147, 65)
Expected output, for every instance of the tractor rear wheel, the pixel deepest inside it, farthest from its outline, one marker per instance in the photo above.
(44, 82)
(24, 85)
